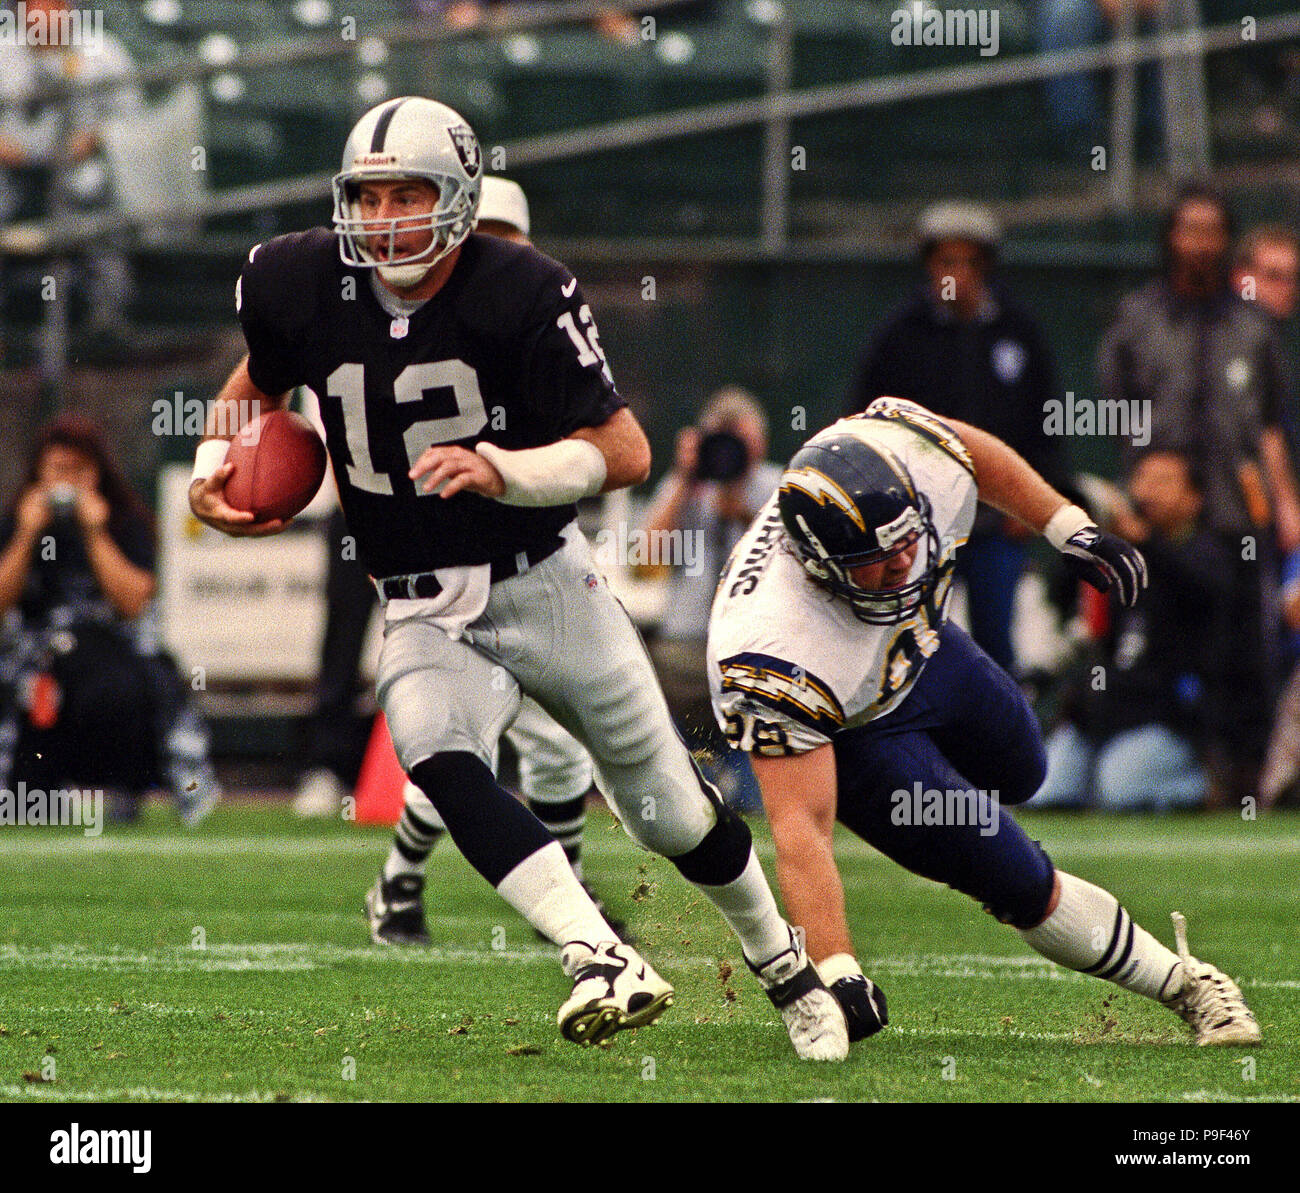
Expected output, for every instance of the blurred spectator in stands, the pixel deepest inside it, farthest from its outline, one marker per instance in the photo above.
(720, 479)
(1210, 368)
(335, 737)
(962, 347)
(51, 159)
(1279, 780)
(613, 22)
(1267, 270)
(86, 694)
(1074, 25)
(1135, 725)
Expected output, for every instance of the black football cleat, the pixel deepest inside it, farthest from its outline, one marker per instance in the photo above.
(395, 910)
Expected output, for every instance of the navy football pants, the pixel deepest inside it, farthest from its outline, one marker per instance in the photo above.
(964, 725)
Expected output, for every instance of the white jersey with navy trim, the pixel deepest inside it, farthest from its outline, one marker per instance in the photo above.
(789, 663)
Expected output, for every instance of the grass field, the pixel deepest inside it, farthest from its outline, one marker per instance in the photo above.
(104, 987)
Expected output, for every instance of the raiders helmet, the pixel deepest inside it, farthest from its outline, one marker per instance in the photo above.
(408, 138)
(845, 503)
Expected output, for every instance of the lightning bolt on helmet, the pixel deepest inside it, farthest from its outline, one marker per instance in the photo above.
(408, 138)
(845, 503)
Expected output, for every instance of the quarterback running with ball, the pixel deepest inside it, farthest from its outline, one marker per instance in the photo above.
(467, 406)
(832, 662)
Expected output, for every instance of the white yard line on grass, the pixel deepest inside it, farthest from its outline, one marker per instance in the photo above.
(55, 1092)
(1220, 1095)
(1004, 1034)
(259, 958)
(28, 843)
(298, 956)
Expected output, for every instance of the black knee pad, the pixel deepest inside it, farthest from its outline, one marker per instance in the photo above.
(723, 854)
(491, 828)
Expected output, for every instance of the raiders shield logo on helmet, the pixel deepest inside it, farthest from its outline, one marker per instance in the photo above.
(462, 136)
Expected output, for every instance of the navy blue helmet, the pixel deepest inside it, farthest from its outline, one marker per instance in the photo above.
(845, 503)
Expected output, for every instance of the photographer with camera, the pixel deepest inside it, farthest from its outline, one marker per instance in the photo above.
(719, 481)
(86, 695)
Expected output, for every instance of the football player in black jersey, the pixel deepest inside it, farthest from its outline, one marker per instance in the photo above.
(555, 772)
(467, 405)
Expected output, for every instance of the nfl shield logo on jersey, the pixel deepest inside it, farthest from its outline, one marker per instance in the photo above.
(462, 136)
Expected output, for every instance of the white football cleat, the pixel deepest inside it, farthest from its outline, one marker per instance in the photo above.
(812, 1014)
(1210, 1002)
(613, 990)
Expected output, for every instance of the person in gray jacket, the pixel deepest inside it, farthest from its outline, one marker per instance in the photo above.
(1203, 371)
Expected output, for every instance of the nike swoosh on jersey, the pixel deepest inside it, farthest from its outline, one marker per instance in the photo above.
(568, 290)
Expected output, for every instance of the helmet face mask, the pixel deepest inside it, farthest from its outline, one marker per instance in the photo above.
(401, 140)
(877, 606)
(846, 504)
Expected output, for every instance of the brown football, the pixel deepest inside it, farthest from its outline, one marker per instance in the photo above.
(279, 465)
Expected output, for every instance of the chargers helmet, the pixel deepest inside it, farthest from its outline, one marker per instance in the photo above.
(845, 503)
(408, 138)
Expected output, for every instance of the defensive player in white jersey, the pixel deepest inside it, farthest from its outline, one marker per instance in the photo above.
(467, 406)
(832, 662)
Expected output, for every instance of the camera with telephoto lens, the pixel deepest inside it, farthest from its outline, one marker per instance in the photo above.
(62, 501)
(722, 457)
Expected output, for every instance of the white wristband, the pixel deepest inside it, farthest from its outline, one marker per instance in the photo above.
(210, 456)
(1067, 521)
(552, 475)
(841, 965)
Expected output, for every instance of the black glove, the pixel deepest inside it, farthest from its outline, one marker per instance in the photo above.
(863, 1004)
(1105, 561)
(1099, 558)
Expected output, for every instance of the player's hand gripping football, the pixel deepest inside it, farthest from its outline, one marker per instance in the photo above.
(456, 469)
(209, 505)
(1102, 559)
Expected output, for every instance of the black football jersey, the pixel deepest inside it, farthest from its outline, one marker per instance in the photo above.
(507, 351)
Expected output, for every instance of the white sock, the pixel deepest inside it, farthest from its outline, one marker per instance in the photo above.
(396, 863)
(748, 905)
(545, 891)
(1090, 932)
(418, 829)
(421, 805)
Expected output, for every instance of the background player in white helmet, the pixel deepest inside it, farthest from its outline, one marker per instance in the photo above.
(468, 405)
(832, 661)
(555, 771)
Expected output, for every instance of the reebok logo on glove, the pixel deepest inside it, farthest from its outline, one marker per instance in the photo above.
(1103, 560)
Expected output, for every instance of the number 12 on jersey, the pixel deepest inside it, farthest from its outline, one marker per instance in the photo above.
(587, 343)
(348, 384)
